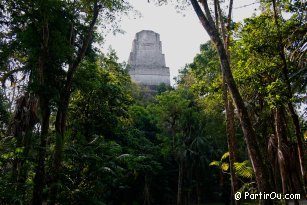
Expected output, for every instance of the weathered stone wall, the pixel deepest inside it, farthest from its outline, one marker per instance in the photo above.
(146, 61)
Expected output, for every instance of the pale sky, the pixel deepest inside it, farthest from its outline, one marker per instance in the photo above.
(181, 33)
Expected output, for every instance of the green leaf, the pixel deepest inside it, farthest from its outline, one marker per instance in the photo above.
(225, 156)
(225, 166)
(19, 150)
(215, 163)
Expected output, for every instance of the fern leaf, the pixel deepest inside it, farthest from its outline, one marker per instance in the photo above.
(244, 169)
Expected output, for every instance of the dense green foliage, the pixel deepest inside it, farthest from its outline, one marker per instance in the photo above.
(74, 128)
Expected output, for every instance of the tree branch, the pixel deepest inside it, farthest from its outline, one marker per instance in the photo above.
(223, 29)
(85, 44)
(209, 27)
(229, 15)
(228, 24)
(216, 13)
(207, 12)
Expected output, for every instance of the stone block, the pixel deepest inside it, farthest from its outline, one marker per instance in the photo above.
(146, 61)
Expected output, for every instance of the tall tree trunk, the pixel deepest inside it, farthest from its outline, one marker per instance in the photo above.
(273, 158)
(256, 158)
(24, 169)
(231, 140)
(282, 149)
(44, 101)
(231, 135)
(22, 126)
(39, 179)
(60, 123)
(294, 116)
(147, 182)
(300, 144)
(229, 108)
(289, 173)
(179, 187)
(198, 193)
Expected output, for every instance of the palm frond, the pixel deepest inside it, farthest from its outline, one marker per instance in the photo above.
(244, 169)
(250, 187)
(123, 156)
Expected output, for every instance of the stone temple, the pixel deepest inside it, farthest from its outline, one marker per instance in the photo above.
(146, 61)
